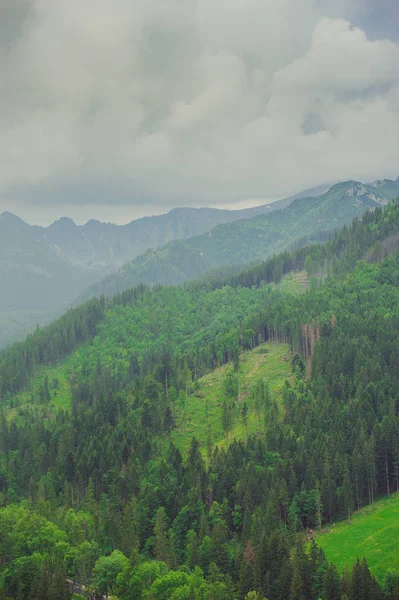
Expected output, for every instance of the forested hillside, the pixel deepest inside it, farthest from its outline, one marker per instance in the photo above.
(43, 269)
(248, 240)
(98, 490)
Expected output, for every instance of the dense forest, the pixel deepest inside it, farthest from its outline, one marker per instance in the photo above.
(98, 499)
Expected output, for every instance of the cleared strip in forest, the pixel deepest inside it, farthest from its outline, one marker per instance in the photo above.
(201, 415)
(36, 398)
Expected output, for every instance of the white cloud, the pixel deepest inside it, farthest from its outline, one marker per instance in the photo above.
(191, 101)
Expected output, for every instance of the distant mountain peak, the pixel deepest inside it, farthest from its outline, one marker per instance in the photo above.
(382, 182)
(94, 222)
(63, 222)
(11, 219)
(8, 215)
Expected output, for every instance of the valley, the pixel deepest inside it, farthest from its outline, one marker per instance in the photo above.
(199, 300)
(45, 270)
(249, 240)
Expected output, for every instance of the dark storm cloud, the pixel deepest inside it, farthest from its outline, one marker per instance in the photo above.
(128, 108)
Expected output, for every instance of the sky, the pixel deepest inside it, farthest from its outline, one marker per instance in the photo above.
(116, 110)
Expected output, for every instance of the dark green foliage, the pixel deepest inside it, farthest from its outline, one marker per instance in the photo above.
(47, 346)
(105, 490)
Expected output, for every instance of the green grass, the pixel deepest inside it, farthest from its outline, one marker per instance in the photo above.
(295, 283)
(372, 534)
(204, 408)
(28, 399)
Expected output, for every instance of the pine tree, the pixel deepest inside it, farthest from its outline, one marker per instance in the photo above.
(192, 549)
(170, 555)
(59, 590)
(160, 534)
(300, 583)
(347, 490)
(244, 417)
(129, 530)
(331, 584)
(246, 572)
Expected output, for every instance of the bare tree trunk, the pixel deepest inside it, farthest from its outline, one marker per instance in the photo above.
(386, 472)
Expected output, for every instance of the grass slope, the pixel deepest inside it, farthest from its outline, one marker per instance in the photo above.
(203, 409)
(31, 398)
(60, 393)
(372, 534)
(295, 283)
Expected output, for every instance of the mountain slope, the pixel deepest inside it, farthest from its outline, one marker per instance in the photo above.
(42, 269)
(248, 240)
(108, 470)
(97, 244)
(200, 415)
(37, 284)
(372, 533)
(370, 239)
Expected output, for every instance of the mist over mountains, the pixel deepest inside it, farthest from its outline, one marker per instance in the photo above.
(45, 269)
(248, 240)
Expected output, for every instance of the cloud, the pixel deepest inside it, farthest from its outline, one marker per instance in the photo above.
(147, 105)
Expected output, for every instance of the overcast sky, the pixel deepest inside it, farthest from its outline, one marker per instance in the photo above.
(124, 108)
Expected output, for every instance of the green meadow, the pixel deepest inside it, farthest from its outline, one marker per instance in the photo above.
(60, 393)
(373, 534)
(294, 283)
(202, 414)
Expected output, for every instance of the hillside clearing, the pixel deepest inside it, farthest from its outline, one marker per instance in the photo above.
(372, 534)
(29, 399)
(202, 414)
(294, 283)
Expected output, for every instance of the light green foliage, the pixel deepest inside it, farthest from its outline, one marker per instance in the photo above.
(106, 571)
(79, 526)
(31, 399)
(153, 581)
(294, 283)
(35, 549)
(164, 587)
(167, 318)
(81, 560)
(204, 407)
(373, 533)
(143, 577)
(254, 596)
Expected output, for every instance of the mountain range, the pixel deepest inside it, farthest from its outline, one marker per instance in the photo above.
(45, 269)
(248, 240)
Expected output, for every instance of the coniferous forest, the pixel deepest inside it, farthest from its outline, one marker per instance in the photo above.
(99, 498)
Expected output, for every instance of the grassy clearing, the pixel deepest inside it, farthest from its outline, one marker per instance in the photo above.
(29, 399)
(295, 283)
(203, 409)
(372, 534)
